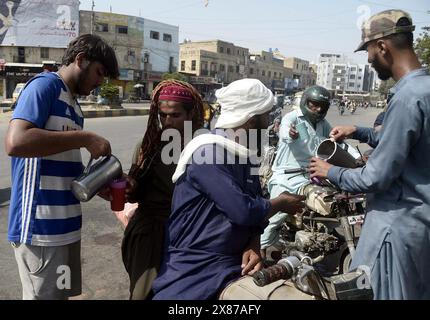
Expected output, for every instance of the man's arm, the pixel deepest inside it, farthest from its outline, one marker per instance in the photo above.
(365, 135)
(387, 160)
(24, 139)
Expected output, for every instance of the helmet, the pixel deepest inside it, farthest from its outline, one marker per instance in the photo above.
(316, 94)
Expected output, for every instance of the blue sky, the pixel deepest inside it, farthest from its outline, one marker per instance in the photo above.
(300, 28)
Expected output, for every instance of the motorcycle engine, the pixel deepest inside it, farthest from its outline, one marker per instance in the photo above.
(316, 243)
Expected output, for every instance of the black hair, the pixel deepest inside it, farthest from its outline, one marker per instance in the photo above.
(403, 40)
(94, 48)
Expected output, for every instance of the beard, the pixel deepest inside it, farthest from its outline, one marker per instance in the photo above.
(80, 86)
(383, 73)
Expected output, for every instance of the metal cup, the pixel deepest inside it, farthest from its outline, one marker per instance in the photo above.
(302, 129)
(334, 154)
(95, 177)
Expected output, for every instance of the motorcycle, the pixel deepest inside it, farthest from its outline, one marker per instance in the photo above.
(327, 230)
(302, 280)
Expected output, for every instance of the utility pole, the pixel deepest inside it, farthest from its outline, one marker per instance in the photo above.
(92, 16)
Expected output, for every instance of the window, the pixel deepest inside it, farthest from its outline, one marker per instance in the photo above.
(182, 65)
(263, 73)
(352, 76)
(167, 37)
(193, 65)
(44, 53)
(275, 74)
(21, 55)
(121, 29)
(269, 74)
(351, 84)
(230, 69)
(228, 51)
(154, 35)
(221, 49)
(102, 27)
(237, 69)
(221, 67)
(280, 74)
(251, 71)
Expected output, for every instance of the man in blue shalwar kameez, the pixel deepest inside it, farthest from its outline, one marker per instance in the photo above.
(394, 245)
(217, 207)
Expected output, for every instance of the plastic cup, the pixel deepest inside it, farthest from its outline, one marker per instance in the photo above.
(302, 129)
(117, 190)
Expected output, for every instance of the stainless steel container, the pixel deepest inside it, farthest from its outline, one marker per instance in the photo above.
(335, 155)
(95, 177)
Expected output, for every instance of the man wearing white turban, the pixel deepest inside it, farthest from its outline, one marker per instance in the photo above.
(217, 208)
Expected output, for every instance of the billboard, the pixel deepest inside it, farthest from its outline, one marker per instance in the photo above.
(38, 23)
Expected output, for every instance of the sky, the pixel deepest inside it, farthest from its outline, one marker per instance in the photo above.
(300, 28)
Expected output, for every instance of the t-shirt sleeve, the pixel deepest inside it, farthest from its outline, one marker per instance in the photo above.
(35, 102)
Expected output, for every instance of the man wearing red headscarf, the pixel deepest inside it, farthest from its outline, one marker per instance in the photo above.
(150, 183)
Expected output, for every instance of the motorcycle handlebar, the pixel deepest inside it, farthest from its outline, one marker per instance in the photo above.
(296, 170)
(284, 269)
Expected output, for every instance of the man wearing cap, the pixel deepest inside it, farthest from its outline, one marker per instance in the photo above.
(217, 207)
(395, 240)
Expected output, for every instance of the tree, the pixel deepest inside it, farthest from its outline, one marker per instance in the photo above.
(175, 76)
(110, 92)
(422, 46)
(385, 86)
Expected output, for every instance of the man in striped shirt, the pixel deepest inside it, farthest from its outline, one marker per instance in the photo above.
(44, 140)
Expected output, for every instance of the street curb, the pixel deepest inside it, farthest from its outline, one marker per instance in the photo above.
(114, 113)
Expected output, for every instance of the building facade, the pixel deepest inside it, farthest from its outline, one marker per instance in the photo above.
(160, 52)
(301, 77)
(145, 49)
(338, 74)
(269, 69)
(31, 43)
(214, 63)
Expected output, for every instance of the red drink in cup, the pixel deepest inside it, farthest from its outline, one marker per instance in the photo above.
(117, 190)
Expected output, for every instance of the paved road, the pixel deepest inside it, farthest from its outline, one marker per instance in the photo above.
(103, 273)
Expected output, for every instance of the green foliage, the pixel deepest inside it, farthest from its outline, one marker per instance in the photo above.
(422, 46)
(110, 92)
(175, 76)
(385, 86)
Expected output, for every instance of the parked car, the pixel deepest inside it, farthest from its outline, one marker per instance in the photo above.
(380, 104)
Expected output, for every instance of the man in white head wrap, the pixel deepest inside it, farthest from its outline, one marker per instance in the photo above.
(218, 212)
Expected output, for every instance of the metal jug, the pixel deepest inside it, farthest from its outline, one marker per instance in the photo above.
(95, 177)
(334, 154)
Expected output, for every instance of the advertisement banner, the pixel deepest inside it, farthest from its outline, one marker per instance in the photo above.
(38, 23)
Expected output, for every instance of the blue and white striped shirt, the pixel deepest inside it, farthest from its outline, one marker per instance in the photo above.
(43, 210)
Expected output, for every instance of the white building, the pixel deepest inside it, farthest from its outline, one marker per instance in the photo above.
(337, 73)
(161, 50)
